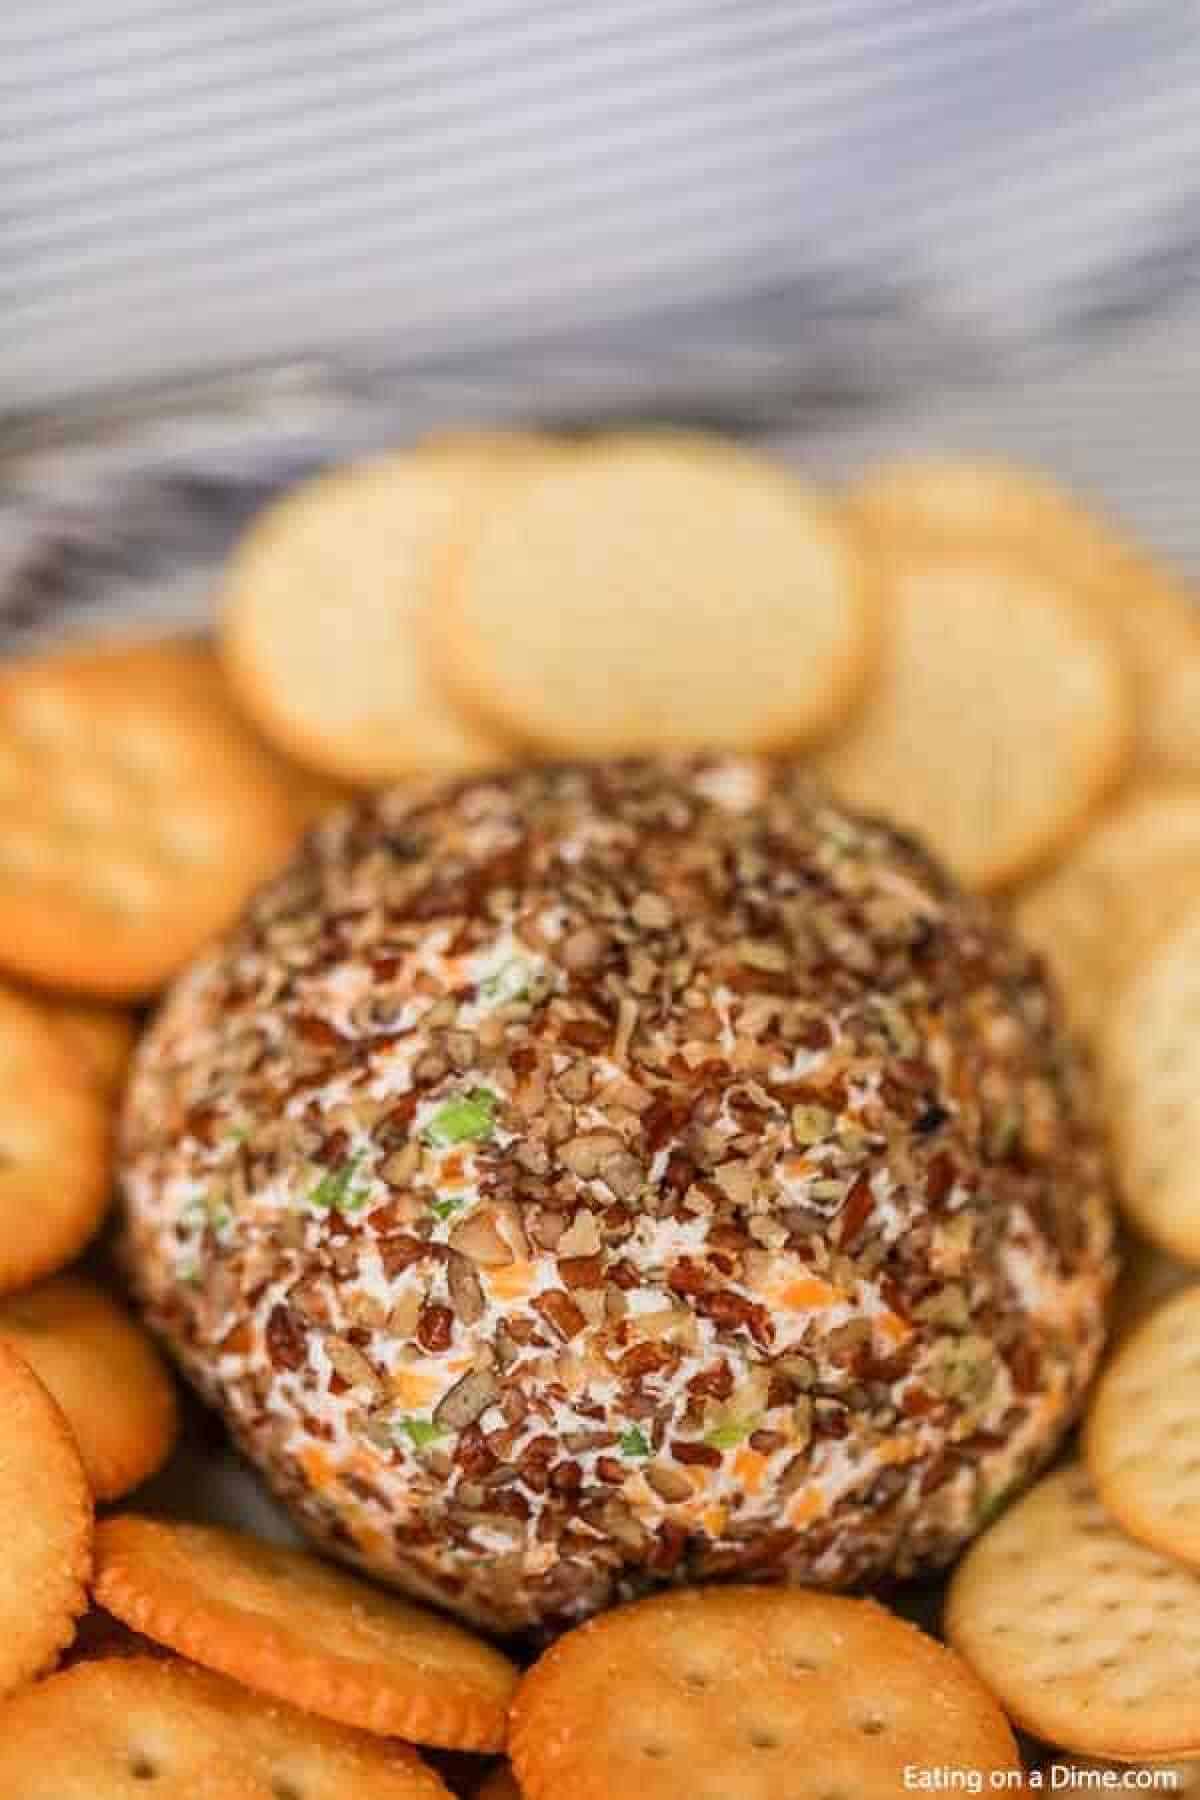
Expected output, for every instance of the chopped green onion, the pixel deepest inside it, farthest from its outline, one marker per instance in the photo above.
(510, 982)
(466, 1118)
(443, 1209)
(421, 1431)
(334, 1191)
(995, 1504)
(633, 1443)
(729, 1434)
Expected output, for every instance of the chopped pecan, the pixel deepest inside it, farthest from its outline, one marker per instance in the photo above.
(351, 1364)
(586, 1154)
(560, 1311)
(582, 1271)
(466, 1289)
(467, 1400)
(435, 1328)
(287, 1339)
(692, 1454)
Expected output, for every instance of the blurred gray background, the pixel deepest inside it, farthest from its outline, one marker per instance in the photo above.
(851, 224)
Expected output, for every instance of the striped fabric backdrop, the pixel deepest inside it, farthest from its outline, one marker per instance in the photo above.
(187, 185)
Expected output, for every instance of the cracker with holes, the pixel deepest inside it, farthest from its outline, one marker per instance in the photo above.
(133, 822)
(288, 1625)
(1118, 890)
(1002, 716)
(105, 1374)
(45, 1527)
(195, 664)
(1088, 1639)
(657, 592)
(1151, 1067)
(320, 629)
(54, 1147)
(1148, 612)
(769, 1694)
(1142, 1439)
(126, 1728)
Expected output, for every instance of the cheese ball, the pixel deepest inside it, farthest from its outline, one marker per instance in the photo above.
(588, 1178)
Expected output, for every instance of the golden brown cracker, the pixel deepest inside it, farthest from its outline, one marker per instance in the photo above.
(1119, 889)
(289, 1625)
(54, 1147)
(1001, 718)
(1088, 1639)
(1150, 1059)
(1172, 725)
(124, 1728)
(1148, 610)
(320, 624)
(657, 592)
(45, 1527)
(104, 1372)
(133, 822)
(102, 1037)
(765, 1693)
(1142, 1435)
(309, 794)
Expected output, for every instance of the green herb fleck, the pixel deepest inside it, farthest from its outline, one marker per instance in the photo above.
(510, 982)
(1004, 1135)
(464, 1119)
(994, 1505)
(633, 1443)
(445, 1208)
(730, 1433)
(210, 1208)
(421, 1431)
(217, 1209)
(335, 1190)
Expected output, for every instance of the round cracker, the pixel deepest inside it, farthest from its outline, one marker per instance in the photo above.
(322, 597)
(309, 794)
(769, 1694)
(1150, 1057)
(289, 1625)
(1002, 716)
(1142, 1436)
(104, 1372)
(1172, 726)
(1120, 888)
(133, 822)
(45, 1527)
(1088, 1639)
(1147, 610)
(54, 1148)
(657, 593)
(124, 1728)
(100, 1037)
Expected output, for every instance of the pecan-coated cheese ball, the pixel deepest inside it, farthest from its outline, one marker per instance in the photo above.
(592, 1177)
